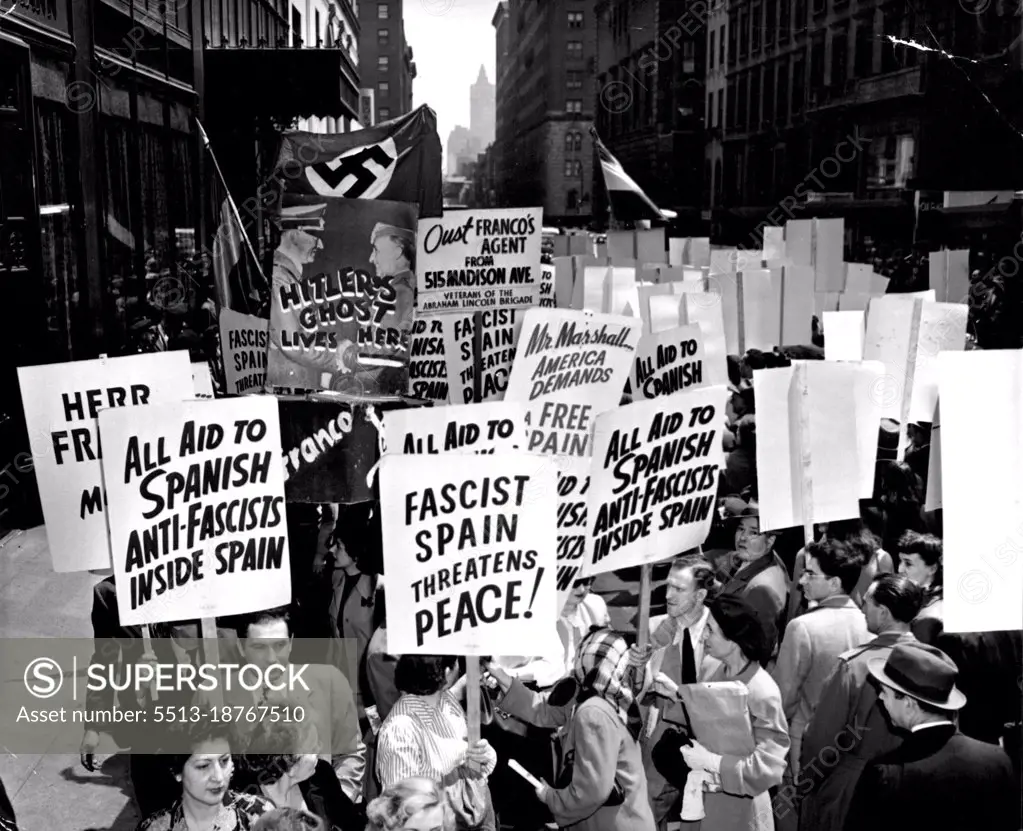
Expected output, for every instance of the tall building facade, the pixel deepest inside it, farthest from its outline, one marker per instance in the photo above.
(820, 107)
(463, 148)
(650, 65)
(386, 58)
(544, 108)
(327, 24)
(481, 110)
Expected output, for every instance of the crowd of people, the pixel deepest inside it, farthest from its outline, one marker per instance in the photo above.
(862, 711)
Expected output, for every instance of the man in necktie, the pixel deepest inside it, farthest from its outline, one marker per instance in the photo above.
(677, 658)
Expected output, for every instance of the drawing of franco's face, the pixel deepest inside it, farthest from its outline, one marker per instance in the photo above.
(387, 257)
(304, 244)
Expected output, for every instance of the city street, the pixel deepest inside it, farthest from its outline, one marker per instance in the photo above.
(53, 791)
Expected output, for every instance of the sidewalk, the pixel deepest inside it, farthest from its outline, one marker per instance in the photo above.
(54, 792)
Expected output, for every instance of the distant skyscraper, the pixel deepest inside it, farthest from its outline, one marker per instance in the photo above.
(386, 62)
(463, 148)
(481, 112)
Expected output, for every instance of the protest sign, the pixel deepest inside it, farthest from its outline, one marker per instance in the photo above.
(588, 293)
(467, 428)
(726, 287)
(202, 381)
(479, 260)
(329, 449)
(670, 362)
(499, 340)
(950, 275)
(570, 367)
(848, 302)
(932, 500)
(761, 308)
(243, 345)
(548, 297)
(799, 241)
(654, 479)
(942, 329)
(676, 250)
(342, 298)
(665, 311)
(459, 354)
(469, 553)
(621, 246)
(698, 252)
(564, 281)
(196, 509)
(723, 260)
(428, 369)
(774, 243)
(836, 419)
(620, 290)
(573, 487)
(61, 402)
(843, 336)
(828, 244)
(982, 492)
(797, 305)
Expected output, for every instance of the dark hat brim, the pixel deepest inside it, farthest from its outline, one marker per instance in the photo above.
(956, 700)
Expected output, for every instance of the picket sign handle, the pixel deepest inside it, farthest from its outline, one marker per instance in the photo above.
(211, 653)
(473, 691)
(806, 479)
(147, 653)
(642, 636)
(740, 313)
(910, 375)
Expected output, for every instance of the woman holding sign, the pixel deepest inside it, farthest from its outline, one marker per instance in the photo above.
(601, 785)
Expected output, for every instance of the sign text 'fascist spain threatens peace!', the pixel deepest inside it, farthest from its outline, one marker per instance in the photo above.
(474, 551)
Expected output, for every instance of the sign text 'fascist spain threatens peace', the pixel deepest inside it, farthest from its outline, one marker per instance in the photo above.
(61, 404)
(654, 479)
(569, 367)
(469, 549)
(478, 260)
(197, 520)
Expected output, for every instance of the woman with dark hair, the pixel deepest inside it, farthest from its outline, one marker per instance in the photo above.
(281, 764)
(901, 498)
(737, 637)
(206, 803)
(426, 734)
(602, 785)
(920, 560)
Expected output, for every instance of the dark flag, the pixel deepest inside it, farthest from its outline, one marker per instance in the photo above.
(628, 202)
(398, 161)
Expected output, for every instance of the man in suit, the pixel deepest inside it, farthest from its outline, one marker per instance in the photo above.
(678, 658)
(938, 779)
(849, 728)
(814, 641)
(265, 639)
(761, 578)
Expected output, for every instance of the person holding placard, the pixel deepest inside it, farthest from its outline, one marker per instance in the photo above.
(206, 801)
(426, 734)
(738, 798)
(920, 560)
(601, 785)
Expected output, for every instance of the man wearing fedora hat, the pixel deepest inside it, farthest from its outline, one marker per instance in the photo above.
(938, 779)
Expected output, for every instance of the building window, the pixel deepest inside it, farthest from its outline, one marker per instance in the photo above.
(770, 21)
(721, 108)
(783, 93)
(865, 46)
(383, 37)
(578, 142)
(569, 167)
(839, 58)
(689, 57)
(384, 88)
(384, 113)
(890, 161)
(572, 200)
(296, 27)
(574, 105)
(383, 12)
(817, 62)
(575, 20)
(383, 63)
(721, 48)
(713, 46)
(768, 100)
(733, 29)
(799, 17)
(784, 21)
(574, 48)
(757, 26)
(798, 84)
(743, 34)
(573, 141)
(574, 79)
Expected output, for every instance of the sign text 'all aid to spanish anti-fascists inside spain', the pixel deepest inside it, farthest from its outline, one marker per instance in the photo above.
(472, 261)
(654, 480)
(196, 501)
(61, 403)
(469, 550)
(570, 366)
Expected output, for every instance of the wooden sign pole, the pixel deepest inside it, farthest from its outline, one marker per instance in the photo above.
(211, 654)
(910, 374)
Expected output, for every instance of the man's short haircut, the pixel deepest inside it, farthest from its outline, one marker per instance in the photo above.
(838, 559)
(899, 595)
(243, 622)
(704, 576)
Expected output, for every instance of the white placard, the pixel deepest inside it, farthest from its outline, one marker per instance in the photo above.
(797, 305)
(942, 329)
(243, 342)
(573, 488)
(654, 479)
(548, 280)
(843, 336)
(982, 491)
(479, 260)
(61, 402)
(469, 553)
(202, 381)
(428, 369)
(492, 427)
(799, 241)
(774, 243)
(828, 265)
(761, 305)
(570, 367)
(704, 310)
(499, 339)
(670, 362)
(196, 502)
(459, 364)
(888, 339)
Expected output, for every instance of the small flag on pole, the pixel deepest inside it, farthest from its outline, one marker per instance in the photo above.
(628, 201)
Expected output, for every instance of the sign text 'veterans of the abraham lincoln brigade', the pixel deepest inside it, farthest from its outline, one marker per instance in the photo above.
(469, 553)
(573, 488)
(570, 366)
(473, 428)
(61, 403)
(655, 478)
(243, 340)
(477, 260)
(197, 520)
(669, 362)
